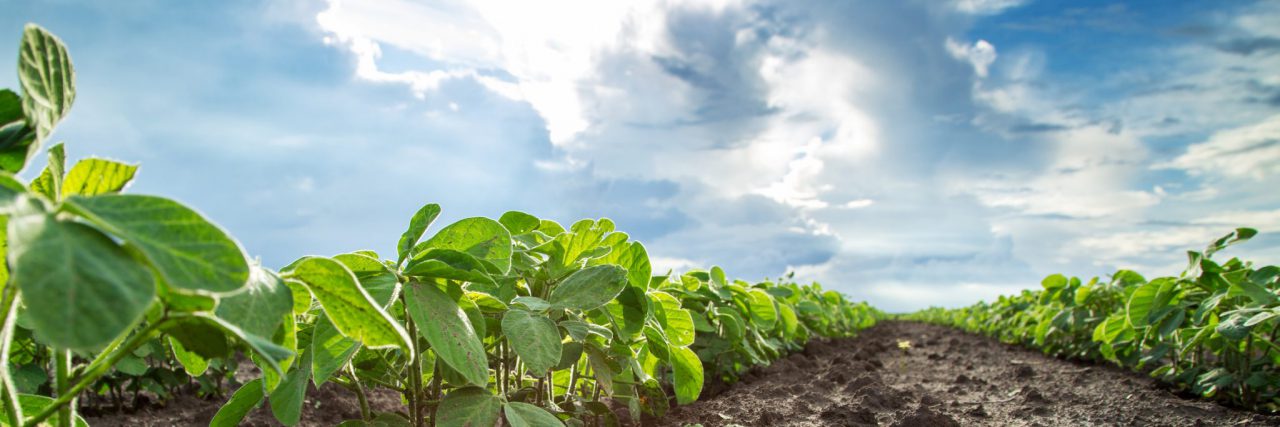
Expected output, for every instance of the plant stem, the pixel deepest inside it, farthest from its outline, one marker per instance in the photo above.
(62, 370)
(415, 371)
(98, 369)
(435, 389)
(9, 312)
(358, 388)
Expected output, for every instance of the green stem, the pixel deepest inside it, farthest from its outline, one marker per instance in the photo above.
(62, 370)
(435, 390)
(415, 371)
(9, 312)
(98, 369)
(358, 388)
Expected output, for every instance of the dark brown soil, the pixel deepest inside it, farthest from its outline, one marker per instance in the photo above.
(326, 406)
(946, 378)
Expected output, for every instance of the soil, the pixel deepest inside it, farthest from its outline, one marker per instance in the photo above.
(947, 378)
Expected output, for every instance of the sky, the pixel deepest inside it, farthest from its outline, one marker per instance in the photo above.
(907, 153)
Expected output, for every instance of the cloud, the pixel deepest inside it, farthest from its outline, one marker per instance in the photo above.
(980, 54)
(986, 7)
(1251, 151)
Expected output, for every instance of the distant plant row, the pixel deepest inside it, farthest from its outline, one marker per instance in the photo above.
(1211, 330)
(108, 295)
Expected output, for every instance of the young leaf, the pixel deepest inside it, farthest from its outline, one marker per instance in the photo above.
(589, 288)
(351, 309)
(245, 399)
(417, 225)
(50, 180)
(187, 250)
(535, 339)
(191, 362)
(483, 238)
(469, 407)
(519, 222)
(633, 257)
(286, 400)
(520, 414)
(91, 177)
(47, 78)
(82, 290)
(676, 322)
(687, 370)
(261, 306)
(449, 330)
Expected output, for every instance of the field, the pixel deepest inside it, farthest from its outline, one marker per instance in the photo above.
(125, 309)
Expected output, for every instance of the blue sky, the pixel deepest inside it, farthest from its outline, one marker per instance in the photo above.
(909, 153)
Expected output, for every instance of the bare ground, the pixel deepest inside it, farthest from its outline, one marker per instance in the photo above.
(947, 378)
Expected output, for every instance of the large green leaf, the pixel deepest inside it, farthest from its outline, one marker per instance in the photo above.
(479, 237)
(687, 373)
(417, 225)
(589, 288)
(286, 400)
(260, 307)
(91, 177)
(469, 407)
(187, 250)
(245, 399)
(47, 78)
(520, 414)
(81, 289)
(449, 330)
(267, 351)
(535, 339)
(351, 309)
(17, 135)
(1148, 298)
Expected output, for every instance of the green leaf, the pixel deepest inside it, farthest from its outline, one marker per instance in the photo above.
(49, 182)
(633, 257)
(469, 407)
(82, 290)
(1235, 327)
(330, 351)
(260, 307)
(191, 362)
(17, 135)
(417, 225)
(763, 312)
(1054, 281)
(449, 330)
(91, 177)
(448, 264)
(187, 250)
(535, 339)
(47, 78)
(270, 352)
(351, 309)
(532, 303)
(1146, 299)
(718, 276)
(248, 397)
(286, 400)
(789, 320)
(519, 222)
(676, 322)
(483, 238)
(32, 404)
(520, 414)
(687, 371)
(589, 288)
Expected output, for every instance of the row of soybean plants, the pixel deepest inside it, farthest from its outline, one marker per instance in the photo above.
(515, 319)
(1211, 330)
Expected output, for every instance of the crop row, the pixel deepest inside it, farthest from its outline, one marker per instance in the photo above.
(1211, 330)
(515, 319)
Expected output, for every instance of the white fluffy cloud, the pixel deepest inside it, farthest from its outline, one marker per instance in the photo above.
(980, 54)
(1251, 151)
